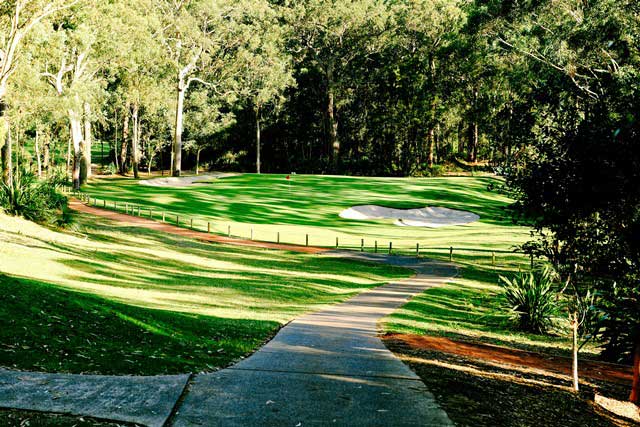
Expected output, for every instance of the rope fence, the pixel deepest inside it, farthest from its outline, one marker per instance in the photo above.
(496, 258)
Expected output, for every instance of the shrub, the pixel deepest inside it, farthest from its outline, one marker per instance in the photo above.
(533, 300)
(110, 169)
(34, 200)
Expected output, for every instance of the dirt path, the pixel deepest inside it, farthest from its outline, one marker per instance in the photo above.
(137, 221)
(589, 369)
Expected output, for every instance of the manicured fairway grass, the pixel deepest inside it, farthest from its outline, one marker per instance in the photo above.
(123, 300)
(310, 204)
(470, 307)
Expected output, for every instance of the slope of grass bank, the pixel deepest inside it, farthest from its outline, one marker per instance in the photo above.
(109, 298)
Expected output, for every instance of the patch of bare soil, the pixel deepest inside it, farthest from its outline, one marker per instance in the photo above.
(490, 386)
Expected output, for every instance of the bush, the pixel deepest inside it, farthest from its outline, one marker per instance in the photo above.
(110, 169)
(533, 300)
(34, 200)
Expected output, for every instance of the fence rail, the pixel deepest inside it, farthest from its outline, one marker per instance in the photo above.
(496, 257)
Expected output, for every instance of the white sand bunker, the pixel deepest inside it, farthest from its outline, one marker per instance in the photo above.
(184, 181)
(431, 216)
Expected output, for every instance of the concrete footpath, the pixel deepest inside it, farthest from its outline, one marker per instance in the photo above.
(325, 368)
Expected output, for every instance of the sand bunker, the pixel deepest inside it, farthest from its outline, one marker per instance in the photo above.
(184, 181)
(430, 216)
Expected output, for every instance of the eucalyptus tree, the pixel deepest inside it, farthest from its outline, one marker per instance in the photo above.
(271, 68)
(330, 35)
(73, 54)
(17, 20)
(426, 32)
(140, 72)
(208, 42)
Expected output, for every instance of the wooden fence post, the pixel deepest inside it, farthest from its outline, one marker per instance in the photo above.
(278, 238)
(532, 260)
(163, 216)
(228, 231)
(390, 247)
(177, 221)
(417, 249)
(306, 240)
(191, 224)
(208, 227)
(450, 253)
(361, 245)
(493, 258)
(337, 242)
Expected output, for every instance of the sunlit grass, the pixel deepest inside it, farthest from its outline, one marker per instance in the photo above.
(117, 299)
(310, 205)
(469, 308)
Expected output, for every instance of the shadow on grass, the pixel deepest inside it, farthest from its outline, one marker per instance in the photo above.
(52, 329)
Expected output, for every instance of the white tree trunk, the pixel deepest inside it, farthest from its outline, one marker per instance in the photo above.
(88, 140)
(258, 160)
(177, 140)
(135, 139)
(76, 138)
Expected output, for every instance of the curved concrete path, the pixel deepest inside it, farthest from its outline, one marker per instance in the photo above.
(326, 368)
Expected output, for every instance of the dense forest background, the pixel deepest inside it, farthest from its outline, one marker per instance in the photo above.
(364, 87)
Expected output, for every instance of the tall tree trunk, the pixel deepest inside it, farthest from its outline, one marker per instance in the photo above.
(115, 142)
(257, 140)
(198, 161)
(6, 154)
(125, 139)
(39, 162)
(75, 120)
(88, 140)
(176, 165)
(635, 389)
(574, 348)
(437, 144)
(431, 143)
(69, 151)
(473, 133)
(332, 121)
(135, 139)
(46, 152)
(473, 142)
(433, 106)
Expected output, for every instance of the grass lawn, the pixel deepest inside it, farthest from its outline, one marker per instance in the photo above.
(120, 300)
(310, 204)
(469, 307)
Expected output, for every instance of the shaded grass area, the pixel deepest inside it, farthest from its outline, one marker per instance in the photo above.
(310, 204)
(471, 307)
(483, 395)
(18, 418)
(115, 299)
(51, 329)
